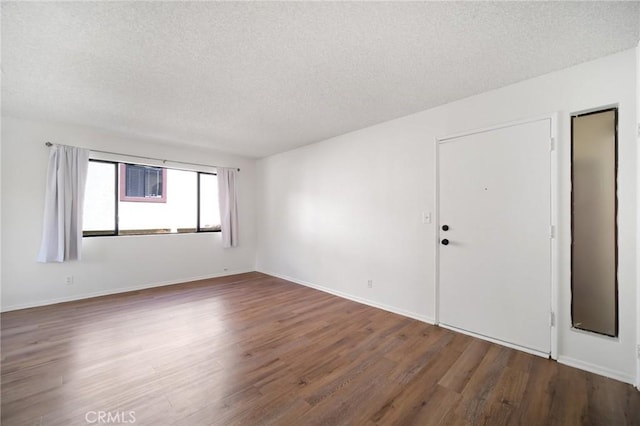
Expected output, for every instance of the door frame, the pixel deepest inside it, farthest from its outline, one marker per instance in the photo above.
(553, 232)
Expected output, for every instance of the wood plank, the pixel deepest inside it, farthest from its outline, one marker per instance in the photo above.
(460, 373)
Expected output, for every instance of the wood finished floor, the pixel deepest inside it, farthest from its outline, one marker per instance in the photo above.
(253, 349)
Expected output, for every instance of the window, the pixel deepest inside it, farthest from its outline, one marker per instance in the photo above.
(134, 199)
(142, 183)
(100, 206)
(208, 211)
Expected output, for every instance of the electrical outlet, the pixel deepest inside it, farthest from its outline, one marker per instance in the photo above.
(69, 279)
(638, 351)
(370, 283)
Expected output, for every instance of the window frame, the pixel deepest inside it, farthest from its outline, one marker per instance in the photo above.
(198, 225)
(117, 200)
(116, 229)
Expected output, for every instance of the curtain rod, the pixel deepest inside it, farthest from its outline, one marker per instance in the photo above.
(49, 144)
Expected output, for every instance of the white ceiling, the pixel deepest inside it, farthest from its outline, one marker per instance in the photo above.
(260, 78)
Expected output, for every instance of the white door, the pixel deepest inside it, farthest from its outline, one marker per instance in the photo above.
(495, 199)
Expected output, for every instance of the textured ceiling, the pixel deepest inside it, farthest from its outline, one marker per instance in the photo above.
(259, 78)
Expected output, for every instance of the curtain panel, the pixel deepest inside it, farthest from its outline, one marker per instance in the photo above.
(63, 204)
(227, 201)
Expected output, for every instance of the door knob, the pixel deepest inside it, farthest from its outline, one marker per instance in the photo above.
(445, 227)
(445, 242)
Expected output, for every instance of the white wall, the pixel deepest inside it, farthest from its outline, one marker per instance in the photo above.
(340, 212)
(638, 222)
(109, 264)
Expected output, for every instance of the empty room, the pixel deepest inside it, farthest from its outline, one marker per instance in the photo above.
(320, 213)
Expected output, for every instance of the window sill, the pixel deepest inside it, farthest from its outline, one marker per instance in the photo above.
(162, 231)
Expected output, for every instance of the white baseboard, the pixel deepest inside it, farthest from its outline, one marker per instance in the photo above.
(592, 368)
(118, 290)
(351, 297)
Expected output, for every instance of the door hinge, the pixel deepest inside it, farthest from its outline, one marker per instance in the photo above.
(552, 144)
(552, 319)
(552, 231)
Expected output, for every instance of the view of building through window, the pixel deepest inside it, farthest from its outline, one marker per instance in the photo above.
(142, 183)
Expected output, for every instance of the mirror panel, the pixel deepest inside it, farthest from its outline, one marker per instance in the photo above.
(594, 302)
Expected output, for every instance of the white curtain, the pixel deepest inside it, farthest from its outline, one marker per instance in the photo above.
(228, 206)
(63, 203)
